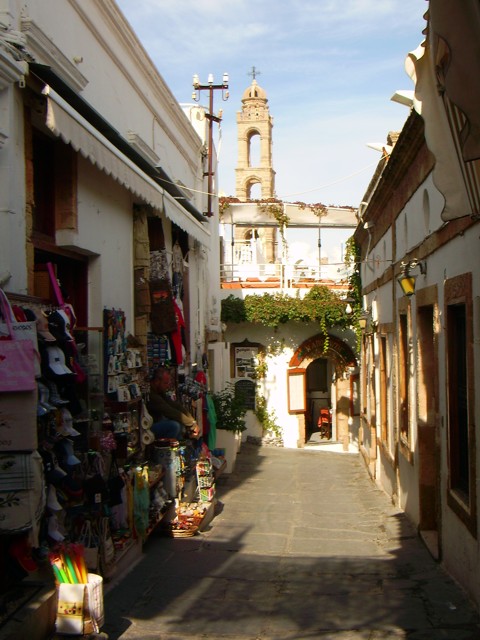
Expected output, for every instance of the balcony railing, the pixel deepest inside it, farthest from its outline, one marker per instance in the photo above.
(278, 276)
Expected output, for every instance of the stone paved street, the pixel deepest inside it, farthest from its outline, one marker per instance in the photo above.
(304, 546)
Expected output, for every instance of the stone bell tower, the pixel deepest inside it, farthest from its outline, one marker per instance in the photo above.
(254, 120)
(255, 124)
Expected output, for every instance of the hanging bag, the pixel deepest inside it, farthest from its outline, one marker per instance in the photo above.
(115, 484)
(107, 548)
(17, 357)
(90, 546)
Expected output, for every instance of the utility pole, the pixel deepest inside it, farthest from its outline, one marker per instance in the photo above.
(210, 87)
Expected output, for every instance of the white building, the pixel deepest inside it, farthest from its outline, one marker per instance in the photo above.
(420, 357)
(94, 150)
(309, 368)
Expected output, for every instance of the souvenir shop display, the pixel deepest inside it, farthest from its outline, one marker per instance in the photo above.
(17, 355)
(76, 440)
(186, 520)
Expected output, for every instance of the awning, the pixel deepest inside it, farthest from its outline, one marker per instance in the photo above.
(251, 214)
(190, 225)
(65, 123)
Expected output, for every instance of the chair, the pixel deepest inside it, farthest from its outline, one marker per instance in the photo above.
(324, 423)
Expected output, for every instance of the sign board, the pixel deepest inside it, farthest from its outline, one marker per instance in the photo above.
(296, 389)
(246, 388)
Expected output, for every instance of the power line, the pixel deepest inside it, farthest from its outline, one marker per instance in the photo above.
(323, 186)
(329, 184)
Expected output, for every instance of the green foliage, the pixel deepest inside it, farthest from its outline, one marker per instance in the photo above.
(233, 310)
(230, 409)
(267, 419)
(320, 305)
(352, 262)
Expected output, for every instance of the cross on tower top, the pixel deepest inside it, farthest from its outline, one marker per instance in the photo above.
(254, 73)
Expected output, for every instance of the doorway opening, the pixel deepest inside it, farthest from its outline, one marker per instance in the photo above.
(428, 435)
(319, 403)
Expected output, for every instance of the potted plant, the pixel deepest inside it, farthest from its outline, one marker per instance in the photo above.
(230, 410)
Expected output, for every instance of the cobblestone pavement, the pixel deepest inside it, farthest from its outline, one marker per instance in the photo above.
(303, 546)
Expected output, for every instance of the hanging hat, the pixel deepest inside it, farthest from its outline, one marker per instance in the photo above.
(56, 361)
(52, 499)
(42, 327)
(67, 423)
(54, 397)
(57, 324)
(69, 457)
(66, 319)
(44, 397)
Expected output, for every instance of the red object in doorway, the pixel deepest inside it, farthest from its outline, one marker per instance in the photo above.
(324, 424)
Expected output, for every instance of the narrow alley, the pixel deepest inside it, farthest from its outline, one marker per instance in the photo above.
(303, 545)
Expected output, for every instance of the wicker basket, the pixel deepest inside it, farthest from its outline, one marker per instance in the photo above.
(179, 533)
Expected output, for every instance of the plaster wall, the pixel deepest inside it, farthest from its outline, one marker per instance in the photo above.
(457, 256)
(92, 42)
(408, 498)
(123, 84)
(460, 554)
(387, 475)
(420, 217)
(12, 192)
(460, 549)
(282, 344)
(379, 258)
(105, 229)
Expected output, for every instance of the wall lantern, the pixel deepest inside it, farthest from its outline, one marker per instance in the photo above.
(406, 280)
(364, 320)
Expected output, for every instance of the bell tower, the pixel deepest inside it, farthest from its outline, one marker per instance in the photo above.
(254, 123)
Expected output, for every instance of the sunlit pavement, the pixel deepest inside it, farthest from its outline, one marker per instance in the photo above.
(304, 546)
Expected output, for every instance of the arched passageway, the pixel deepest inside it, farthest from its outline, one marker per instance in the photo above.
(327, 362)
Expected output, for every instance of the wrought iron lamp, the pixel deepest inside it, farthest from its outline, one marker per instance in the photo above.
(407, 280)
(363, 320)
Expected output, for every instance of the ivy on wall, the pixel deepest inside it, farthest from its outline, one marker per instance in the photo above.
(320, 305)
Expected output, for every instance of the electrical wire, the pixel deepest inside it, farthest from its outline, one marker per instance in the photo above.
(323, 186)
(329, 184)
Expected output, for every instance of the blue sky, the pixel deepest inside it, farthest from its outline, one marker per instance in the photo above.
(329, 69)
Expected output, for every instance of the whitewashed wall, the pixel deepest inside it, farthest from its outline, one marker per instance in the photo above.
(92, 42)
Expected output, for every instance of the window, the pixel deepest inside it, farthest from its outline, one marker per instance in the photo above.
(384, 391)
(460, 399)
(254, 142)
(54, 186)
(43, 185)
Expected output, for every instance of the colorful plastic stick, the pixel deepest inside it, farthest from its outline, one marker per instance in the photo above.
(70, 570)
(58, 575)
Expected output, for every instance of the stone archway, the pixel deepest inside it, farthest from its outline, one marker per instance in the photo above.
(342, 359)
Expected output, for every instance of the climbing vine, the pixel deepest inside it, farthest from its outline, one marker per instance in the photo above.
(275, 209)
(267, 417)
(352, 263)
(320, 305)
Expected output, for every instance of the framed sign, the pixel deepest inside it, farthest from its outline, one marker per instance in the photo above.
(246, 390)
(245, 361)
(296, 390)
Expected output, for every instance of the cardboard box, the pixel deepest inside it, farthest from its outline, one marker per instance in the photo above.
(18, 421)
